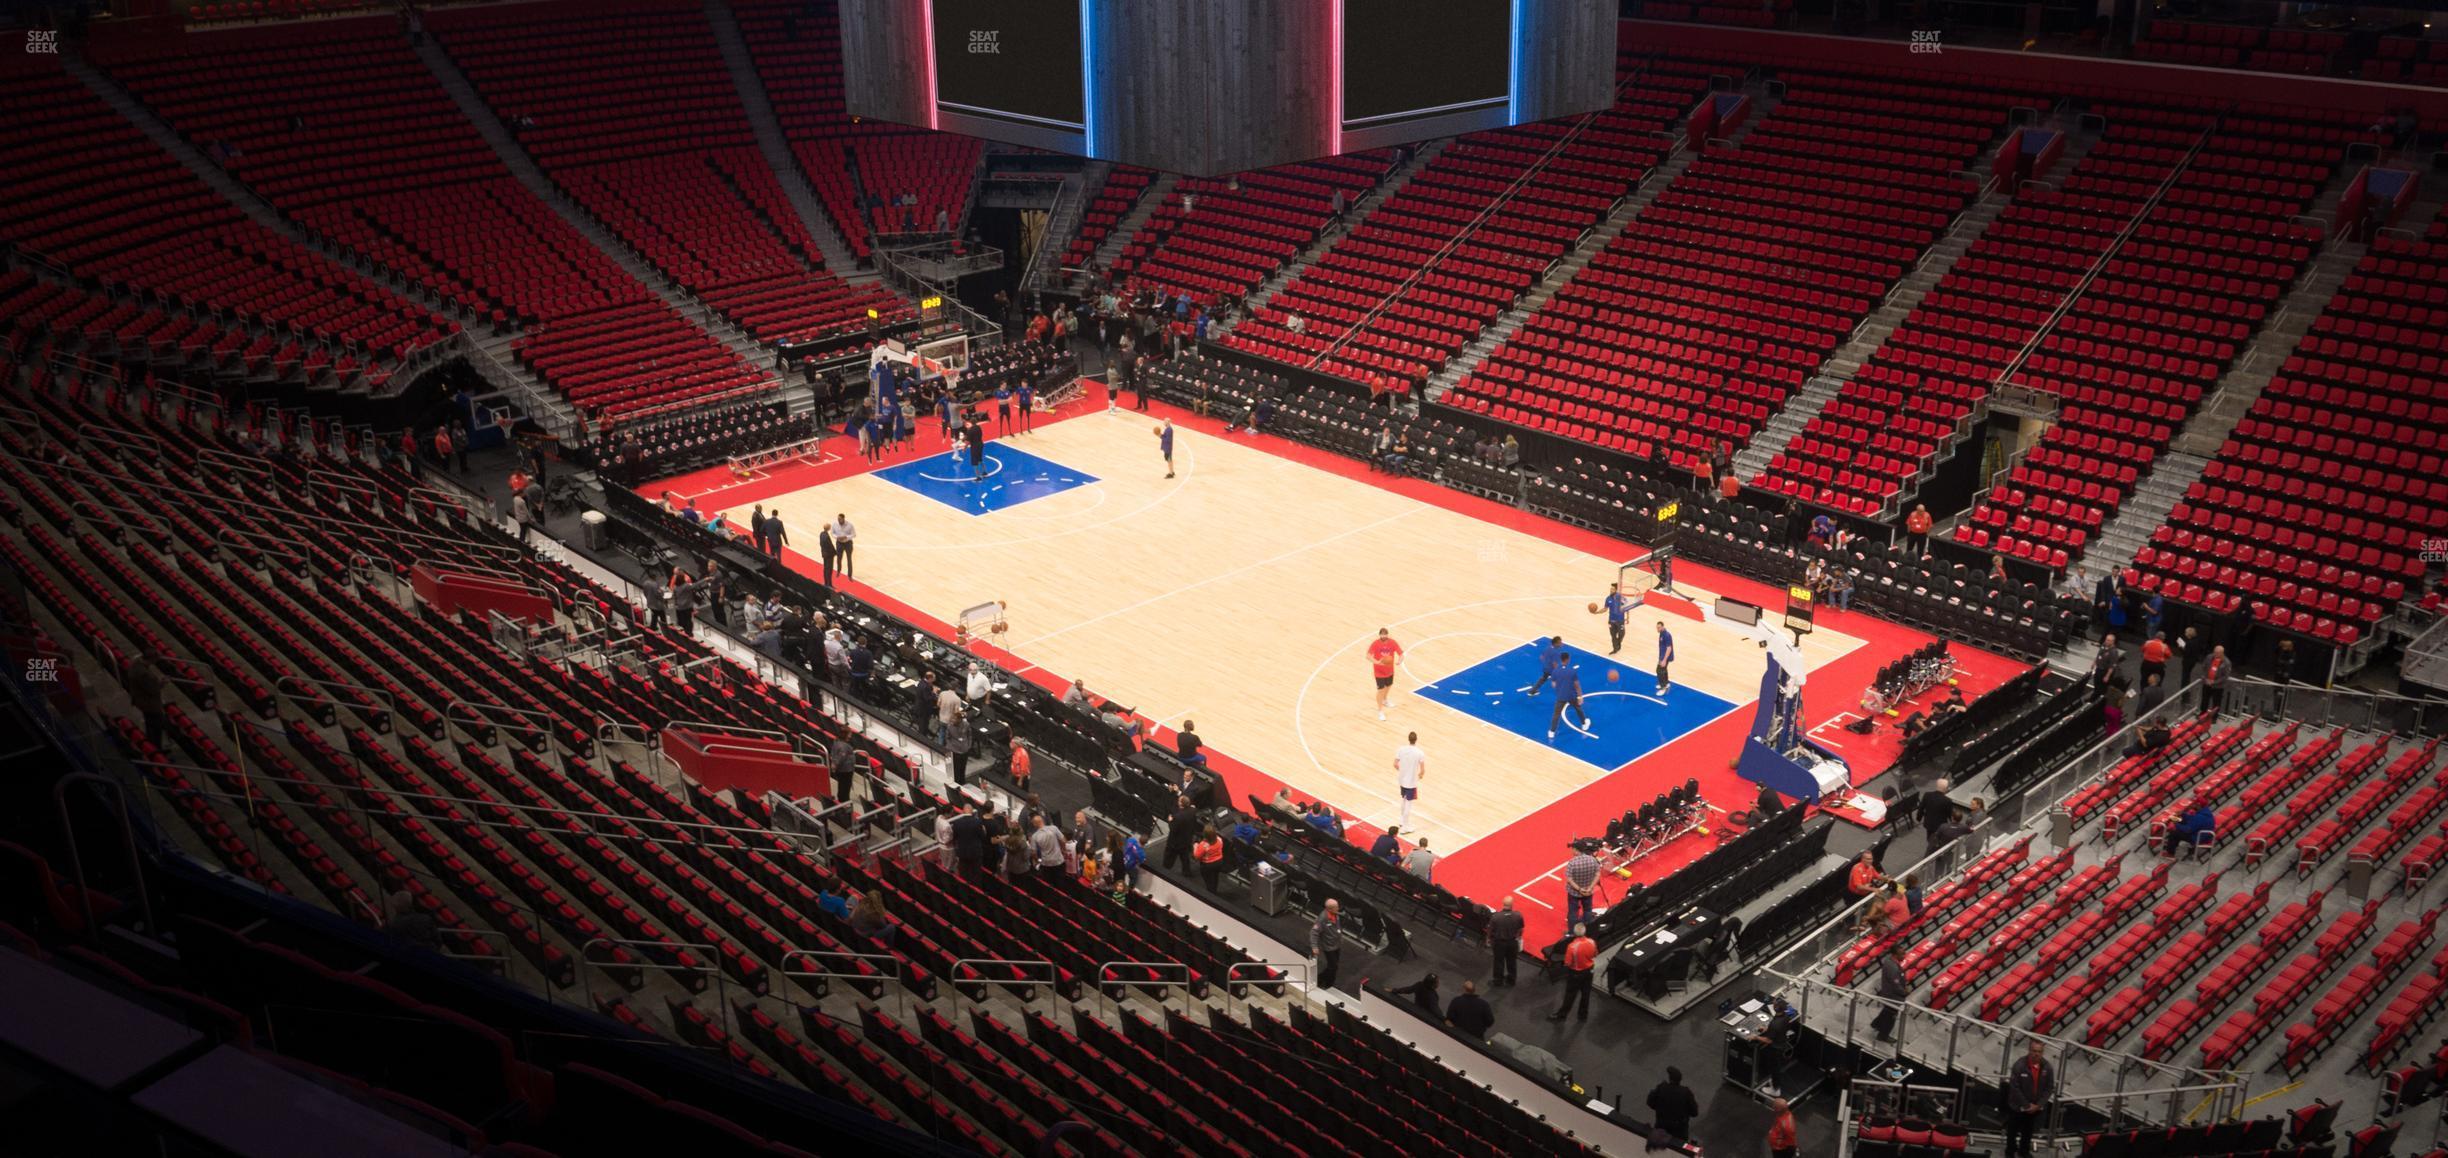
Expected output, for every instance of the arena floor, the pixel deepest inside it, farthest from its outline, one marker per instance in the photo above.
(1242, 594)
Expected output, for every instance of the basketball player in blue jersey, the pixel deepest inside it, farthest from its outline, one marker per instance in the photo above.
(1567, 694)
(1549, 653)
(1618, 608)
(1028, 405)
(1666, 656)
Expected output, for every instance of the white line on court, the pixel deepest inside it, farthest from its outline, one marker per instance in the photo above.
(1220, 576)
(1186, 463)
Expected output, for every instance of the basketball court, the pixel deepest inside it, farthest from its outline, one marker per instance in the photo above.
(1243, 594)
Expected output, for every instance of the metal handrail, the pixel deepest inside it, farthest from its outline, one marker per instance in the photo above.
(1232, 973)
(712, 967)
(307, 687)
(451, 713)
(237, 463)
(76, 854)
(234, 539)
(897, 974)
(120, 439)
(1105, 978)
(1053, 974)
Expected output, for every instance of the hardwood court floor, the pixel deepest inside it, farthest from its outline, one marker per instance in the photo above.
(1243, 593)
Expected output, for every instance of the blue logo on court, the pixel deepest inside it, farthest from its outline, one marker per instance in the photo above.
(1007, 478)
(1625, 720)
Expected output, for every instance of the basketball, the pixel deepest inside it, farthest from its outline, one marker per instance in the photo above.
(1593, 609)
(1155, 430)
(1613, 676)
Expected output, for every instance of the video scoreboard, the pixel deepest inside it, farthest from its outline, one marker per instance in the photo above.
(1214, 86)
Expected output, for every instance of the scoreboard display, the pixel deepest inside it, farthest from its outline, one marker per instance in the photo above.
(1205, 87)
(1421, 68)
(1016, 65)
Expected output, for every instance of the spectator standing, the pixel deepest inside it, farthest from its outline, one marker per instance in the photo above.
(1580, 960)
(146, 686)
(2029, 1089)
(1471, 1013)
(1326, 942)
(1185, 820)
(845, 539)
(2215, 674)
(1581, 888)
(1934, 809)
(968, 839)
(1673, 1105)
(1504, 935)
(2153, 694)
(1046, 846)
(1209, 853)
(1782, 1140)
(1018, 765)
(776, 535)
(2155, 653)
(1918, 530)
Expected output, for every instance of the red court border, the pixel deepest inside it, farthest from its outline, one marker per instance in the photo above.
(1521, 857)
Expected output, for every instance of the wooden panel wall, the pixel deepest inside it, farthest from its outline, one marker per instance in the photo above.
(1570, 66)
(884, 60)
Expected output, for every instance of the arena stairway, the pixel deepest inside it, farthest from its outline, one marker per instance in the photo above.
(1573, 262)
(236, 192)
(2105, 940)
(776, 147)
(1354, 215)
(568, 859)
(1120, 236)
(463, 93)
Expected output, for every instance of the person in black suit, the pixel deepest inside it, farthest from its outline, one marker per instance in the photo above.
(968, 839)
(1674, 1105)
(1504, 934)
(1471, 1013)
(2106, 595)
(1178, 836)
(828, 551)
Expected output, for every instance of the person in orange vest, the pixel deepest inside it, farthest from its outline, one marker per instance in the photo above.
(1864, 878)
(1782, 1142)
(1580, 960)
(1917, 525)
(1209, 852)
(1019, 767)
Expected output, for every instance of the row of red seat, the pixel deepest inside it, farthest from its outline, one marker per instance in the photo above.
(2313, 799)
(591, 848)
(1771, 250)
(1461, 240)
(637, 118)
(2336, 454)
(796, 47)
(294, 106)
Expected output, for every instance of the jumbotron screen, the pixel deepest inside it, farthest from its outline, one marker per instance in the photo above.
(1409, 60)
(1206, 87)
(1011, 60)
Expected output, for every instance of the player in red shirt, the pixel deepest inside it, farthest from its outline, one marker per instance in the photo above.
(1383, 654)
